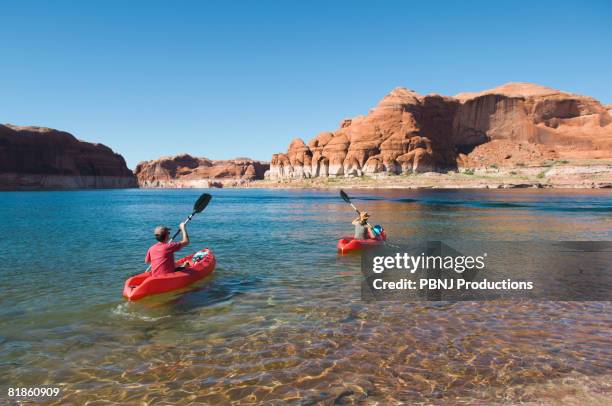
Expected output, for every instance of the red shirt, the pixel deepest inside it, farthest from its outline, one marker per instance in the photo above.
(161, 257)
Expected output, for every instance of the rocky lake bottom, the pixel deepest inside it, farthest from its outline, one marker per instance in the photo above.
(281, 320)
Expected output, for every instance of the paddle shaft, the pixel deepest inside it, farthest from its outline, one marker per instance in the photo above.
(347, 199)
(178, 231)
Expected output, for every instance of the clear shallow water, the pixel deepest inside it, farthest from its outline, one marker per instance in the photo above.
(281, 319)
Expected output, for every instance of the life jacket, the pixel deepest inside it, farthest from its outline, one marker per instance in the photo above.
(379, 232)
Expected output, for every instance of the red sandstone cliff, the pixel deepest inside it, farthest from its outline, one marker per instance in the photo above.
(517, 123)
(187, 171)
(44, 158)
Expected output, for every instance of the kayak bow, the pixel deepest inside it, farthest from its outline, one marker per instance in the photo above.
(349, 244)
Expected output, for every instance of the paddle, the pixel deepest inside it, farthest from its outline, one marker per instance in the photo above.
(347, 199)
(199, 205)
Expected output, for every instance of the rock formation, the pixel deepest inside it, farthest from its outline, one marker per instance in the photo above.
(187, 171)
(406, 132)
(44, 158)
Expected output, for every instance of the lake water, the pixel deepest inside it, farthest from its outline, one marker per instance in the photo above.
(282, 320)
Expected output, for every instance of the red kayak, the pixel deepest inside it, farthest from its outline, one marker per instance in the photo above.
(142, 285)
(348, 244)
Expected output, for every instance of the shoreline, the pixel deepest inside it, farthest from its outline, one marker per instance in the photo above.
(551, 176)
(554, 175)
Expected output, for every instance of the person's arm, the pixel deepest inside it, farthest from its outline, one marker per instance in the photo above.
(356, 221)
(147, 258)
(185, 241)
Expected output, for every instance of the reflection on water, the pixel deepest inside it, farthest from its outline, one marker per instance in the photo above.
(281, 319)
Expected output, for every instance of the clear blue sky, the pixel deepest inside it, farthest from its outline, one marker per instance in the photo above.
(226, 79)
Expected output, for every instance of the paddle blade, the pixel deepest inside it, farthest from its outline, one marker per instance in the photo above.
(202, 203)
(344, 196)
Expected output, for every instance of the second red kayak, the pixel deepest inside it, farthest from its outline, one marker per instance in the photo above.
(145, 284)
(348, 244)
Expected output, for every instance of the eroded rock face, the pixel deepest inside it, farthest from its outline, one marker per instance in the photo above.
(188, 171)
(44, 158)
(410, 133)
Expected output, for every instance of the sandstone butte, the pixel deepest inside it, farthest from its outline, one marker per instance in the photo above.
(188, 171)
(44, 158)
(514, 124)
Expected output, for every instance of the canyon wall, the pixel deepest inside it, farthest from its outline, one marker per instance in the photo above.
(188, 171)
(43, 158)
(514, 124)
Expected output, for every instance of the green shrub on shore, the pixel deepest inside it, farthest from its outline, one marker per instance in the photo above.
(552, 162)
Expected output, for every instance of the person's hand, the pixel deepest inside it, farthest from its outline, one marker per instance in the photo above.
(182, 226)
